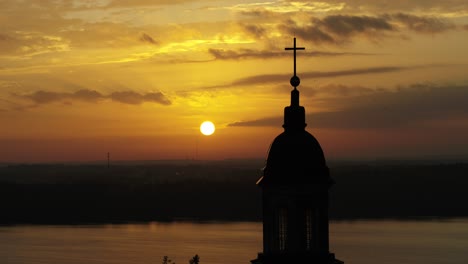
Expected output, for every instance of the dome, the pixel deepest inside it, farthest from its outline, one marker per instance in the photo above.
(295, 157)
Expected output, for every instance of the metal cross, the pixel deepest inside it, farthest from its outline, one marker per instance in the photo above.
(295, 48)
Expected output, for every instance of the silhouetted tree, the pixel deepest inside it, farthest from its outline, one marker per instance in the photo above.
(194, 260)
(167, 260)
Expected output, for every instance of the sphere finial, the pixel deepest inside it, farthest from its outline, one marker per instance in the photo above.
(295, 81)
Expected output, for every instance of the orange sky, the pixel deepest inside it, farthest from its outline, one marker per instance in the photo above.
(380, 79)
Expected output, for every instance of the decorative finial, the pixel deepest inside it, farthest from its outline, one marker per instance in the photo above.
(295, 81)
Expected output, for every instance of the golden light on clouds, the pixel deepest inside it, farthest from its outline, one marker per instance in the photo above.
(142, 74)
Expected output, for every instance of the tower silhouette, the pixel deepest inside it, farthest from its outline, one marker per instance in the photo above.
(295, 186)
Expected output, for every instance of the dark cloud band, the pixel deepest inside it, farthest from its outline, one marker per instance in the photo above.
(405, 107)
(92, 96)
(222, 54)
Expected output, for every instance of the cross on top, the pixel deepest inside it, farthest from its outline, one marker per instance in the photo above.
(295, 48)
(295, 81)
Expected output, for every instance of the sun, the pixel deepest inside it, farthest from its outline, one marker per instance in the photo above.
(207, 128)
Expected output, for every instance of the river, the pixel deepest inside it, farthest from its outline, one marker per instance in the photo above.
(355, 242)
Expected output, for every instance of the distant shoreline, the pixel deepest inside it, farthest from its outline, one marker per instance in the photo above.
(443, 159)
(69, 194)
(210, 221)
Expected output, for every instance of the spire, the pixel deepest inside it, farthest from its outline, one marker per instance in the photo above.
(294, 115)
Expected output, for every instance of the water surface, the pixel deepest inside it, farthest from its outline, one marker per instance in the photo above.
(363, 242)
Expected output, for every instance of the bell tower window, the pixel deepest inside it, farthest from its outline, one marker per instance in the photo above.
(282, 228)
(309, 228)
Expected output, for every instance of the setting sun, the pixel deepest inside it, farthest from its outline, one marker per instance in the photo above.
(207, 128)
(79, 80)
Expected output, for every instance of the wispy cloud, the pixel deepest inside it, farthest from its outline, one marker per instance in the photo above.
(222, 54)
(286, 7)
(264, 122)
(257, 31)
(274, 78)
(404, 107)
(264, 79)
(28, 44)
(137, 3)
(290, 6)
(148, 39)
(452, 8)
(130, 97)
(92, 96)
(423, 24)
(335, 90)
(341, 29)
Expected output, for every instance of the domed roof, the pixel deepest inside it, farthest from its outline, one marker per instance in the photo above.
(295, 157)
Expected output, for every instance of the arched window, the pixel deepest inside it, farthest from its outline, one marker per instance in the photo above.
(309, 225)
(282, 228)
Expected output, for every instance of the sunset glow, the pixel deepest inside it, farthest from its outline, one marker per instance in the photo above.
(81, 78)
(207, 128)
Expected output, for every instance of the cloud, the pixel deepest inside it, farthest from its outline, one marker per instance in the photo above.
(44, 97)
(222, 54)
(452, 8)
(130, 97)
(423, 24)
(92, 96)
(25, 43)
(4, 37)
(335, 90)
(404, 107)
(283, 7)
(10, 105)
(257, 13)
(87, 95)
(274, 78)
(148, 39)
(255, 30)
(137, 3)
(341, 29)
(338, 29)
(348, 25)
(268, 121)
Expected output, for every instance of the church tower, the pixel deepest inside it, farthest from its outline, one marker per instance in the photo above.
(295, 186)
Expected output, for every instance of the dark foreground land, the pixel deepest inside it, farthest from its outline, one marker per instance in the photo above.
(87, 193)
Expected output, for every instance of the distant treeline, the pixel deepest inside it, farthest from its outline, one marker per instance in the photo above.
(219, 191)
